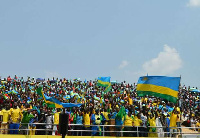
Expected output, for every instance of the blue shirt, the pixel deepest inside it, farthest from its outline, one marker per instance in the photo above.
(118, 120)
(79, 119)
(113, 115)
(168, 121)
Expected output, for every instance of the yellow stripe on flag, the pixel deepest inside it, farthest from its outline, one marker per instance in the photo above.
(157, 89)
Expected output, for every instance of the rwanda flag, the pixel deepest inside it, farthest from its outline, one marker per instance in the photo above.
(53, 102)
(104, 82)
(159, 86)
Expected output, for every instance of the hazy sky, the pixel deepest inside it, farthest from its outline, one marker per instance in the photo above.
(123, 39)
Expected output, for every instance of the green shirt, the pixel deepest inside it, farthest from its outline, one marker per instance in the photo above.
(26, 118)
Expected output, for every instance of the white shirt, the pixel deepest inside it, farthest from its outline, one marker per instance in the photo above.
(49, 121)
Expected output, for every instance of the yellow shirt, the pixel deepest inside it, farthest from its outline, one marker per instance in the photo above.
(128, 121)
(178, 109)
(155, 104)
(87, 119)
(130, 101)
(5, 114)
(56, 118)
(15, 115)
(198, 125)
(173, 120)
(101, 100)
(144, 99)
(152, 122)
(137, 121)
(179, 118)
(105, 114)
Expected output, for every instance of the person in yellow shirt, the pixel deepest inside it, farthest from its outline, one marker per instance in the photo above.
(56, 121)
(137, 120)
(105, 114)
(15, 117)
(87, 122)
(198, 124)
(173, 120)
(137, 123)
(152, 124)
(4, 125)
(128, 123)
(130, 101)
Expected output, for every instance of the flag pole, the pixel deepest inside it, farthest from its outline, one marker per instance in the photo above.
(180, 90)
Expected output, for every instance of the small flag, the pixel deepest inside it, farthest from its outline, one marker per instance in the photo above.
(104, 82)
(6, 96)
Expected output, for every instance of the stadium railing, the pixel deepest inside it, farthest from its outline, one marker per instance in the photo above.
(103, 131)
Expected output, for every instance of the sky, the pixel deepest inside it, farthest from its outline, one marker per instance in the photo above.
(86, 39)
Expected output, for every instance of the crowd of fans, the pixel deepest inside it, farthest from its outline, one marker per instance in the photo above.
(22, 108)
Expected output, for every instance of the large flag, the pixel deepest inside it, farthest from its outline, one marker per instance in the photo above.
(53, 102)
(104, 82)
(159, 86)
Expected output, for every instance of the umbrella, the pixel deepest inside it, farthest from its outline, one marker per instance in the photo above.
(194, 90)
(39, 80)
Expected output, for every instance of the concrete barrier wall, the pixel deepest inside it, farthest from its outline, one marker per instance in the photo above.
(48, 136)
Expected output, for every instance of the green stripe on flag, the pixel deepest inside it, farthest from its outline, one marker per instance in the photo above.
(164, 96)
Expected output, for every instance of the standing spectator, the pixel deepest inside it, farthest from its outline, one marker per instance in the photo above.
(178, 122)
(79, 121)
(137, 123)
(173, 119)
(128, 123)
(152, 124)
(86, 122)
(9, 79)
(96, 120)
(56, 122)
(159, 126)
(33, 120)
(15, 118)
(41, 119)
(25, 120)
(192, 122)
(49, 122)
(5, 122)
(167, 125)
(119, 121)
(198, 125)
(144, 125)
(105, 115)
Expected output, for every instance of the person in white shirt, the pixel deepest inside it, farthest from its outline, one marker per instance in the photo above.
(160, 128)
(49, 122)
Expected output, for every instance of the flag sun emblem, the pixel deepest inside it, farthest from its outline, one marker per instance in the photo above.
(144, 78)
